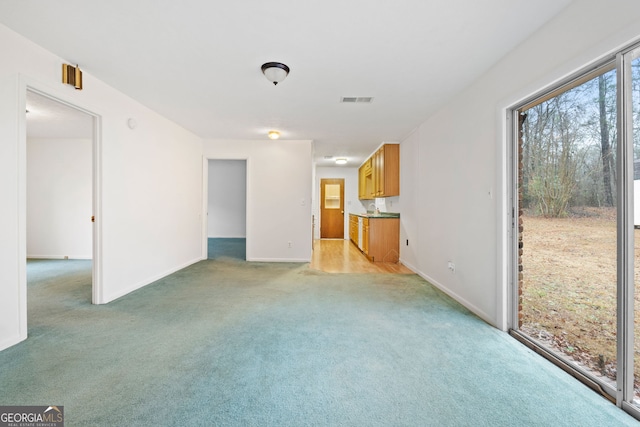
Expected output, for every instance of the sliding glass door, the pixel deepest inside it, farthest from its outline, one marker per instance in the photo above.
(569, 219)
(630, 316)
(576, 206)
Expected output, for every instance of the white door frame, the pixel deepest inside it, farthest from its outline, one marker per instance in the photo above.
(25, 85)
(205, 204)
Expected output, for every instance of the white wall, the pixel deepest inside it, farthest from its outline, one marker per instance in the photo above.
(150, 213)
(410, 193)
(351, 202)
(279, 188)
(227, 199)
(461, 211)
(59, 198)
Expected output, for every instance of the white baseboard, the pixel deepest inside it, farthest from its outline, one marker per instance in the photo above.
(9, 342)
(59, 257)
(143, 283)
(409, 266)
(471, 307)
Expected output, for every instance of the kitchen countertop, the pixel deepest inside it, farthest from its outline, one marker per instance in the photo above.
(378, 215)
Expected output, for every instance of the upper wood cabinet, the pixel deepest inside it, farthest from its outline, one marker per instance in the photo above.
(362, 176)
(379, 176)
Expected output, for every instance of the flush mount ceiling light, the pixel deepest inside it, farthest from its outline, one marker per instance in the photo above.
(275, 72)
(341, 161)
(273, 134)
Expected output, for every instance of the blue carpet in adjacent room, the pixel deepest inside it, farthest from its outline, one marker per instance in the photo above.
(229, 248)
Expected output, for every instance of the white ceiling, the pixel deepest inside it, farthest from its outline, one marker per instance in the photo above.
(47, 118)
(198, 62)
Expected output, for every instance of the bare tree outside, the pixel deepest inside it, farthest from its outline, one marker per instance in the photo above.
(605, 141)
(568, 196)
(569, 150)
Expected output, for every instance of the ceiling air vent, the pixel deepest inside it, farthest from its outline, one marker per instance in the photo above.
(357, 99)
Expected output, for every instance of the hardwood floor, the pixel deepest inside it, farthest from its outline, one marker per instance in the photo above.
(341, 256)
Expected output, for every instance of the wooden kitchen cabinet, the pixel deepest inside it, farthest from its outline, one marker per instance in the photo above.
(379, 176)
(365, 236)
(378, 238)
(365, 184)
(361, 183)
(382, 239)
(353, 228)
(378, 172)
(388, 171)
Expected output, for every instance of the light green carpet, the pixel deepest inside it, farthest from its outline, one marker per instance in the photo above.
(226, 343)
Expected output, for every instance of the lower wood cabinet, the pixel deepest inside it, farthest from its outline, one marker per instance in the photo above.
(383, 239)
(380, 239)
(353, 228)
(365, 236)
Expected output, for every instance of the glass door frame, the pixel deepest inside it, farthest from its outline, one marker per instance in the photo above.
(623, 394)
(626, 285)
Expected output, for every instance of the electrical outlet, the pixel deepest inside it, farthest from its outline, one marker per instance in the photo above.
(289, 243)
(451, 266)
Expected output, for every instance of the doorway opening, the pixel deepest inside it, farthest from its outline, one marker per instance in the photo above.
(332, 208)
(60, 158)
(227, 209)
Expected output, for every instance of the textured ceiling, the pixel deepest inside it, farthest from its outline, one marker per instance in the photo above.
(198, 62)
